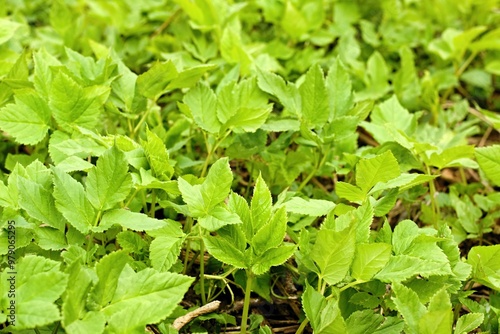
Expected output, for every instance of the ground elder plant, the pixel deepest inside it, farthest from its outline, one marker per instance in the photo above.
(214, 166)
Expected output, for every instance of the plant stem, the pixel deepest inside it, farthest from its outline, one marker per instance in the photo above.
(202, 269)
(302, 326)
(153, 204)
(434, 204)
(187, 229)
(246, 303)
(313, 172)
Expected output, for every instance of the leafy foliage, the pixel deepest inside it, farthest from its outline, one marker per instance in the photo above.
(339, 153)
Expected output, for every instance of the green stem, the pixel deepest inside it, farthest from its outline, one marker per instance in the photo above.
(466, 64)
(350, 285)
(202, 269)
(36, 330)
(302, 326)
(131, 198)
(187, 229)
(246, 303)
(313, 172)
(211, 152)
(56, 329)
(434, 204)
(153, 205)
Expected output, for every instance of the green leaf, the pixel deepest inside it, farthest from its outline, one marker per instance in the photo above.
(369, 259)
(8, 29)
(271, 258)
(191, 195)
(489, 161)
(271, 234)
(164, 252)
(39, 283)
(314, 98)
(260, 205)
(108, 271)
(439, 315)
(72, 202)
(468, 322)
(109, 182)
(293, 22)
(132, 220)
(217, 184)
(404, 233)
(401, 267)
(309, 207)
(313, 304)
(339, 88)
(408, 304)
(157, 294)
(224, 251)
(72, 104)
(202, 104)
(485, 261)
(157, 155)
(381, 168)
(218, 217)
(249, 119)
(275, 85)
(377, 77)
(75, 298)
(333, 252)
(350, 192)
(39, 203)
(190, 77)
(361, 322)
(28, 119)
(154, 82)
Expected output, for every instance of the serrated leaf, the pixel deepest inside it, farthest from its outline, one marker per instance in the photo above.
(218, 217)
(361, 322)
(132, 220)
(157, 155)
(72, 104)
(369, 259)
(350, 192)
(156, 293)
(191, 195)
(224, 251)
(75, 298)
(333, 252)
(439, 315)
(408, 304)
(271, 258)
(249, 119)
(217, 184)
(154, 82)
(271, 234)
(28, 119)
(260, 205)
(468, 322)
(108, 271)
(489, 161)
(309, 207)
(202, 104)
(109, 182)
(314, 98)
(339, 88)
(275, 85)
(39, 203)
(190, 76)
(72, 202)
(401, 267)
(485, 261)
(39, 283)
(381, 168)
(164, 252)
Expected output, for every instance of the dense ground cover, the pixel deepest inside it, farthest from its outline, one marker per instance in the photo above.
(313, 165)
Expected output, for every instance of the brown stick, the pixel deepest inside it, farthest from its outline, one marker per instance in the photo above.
(182, 321)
